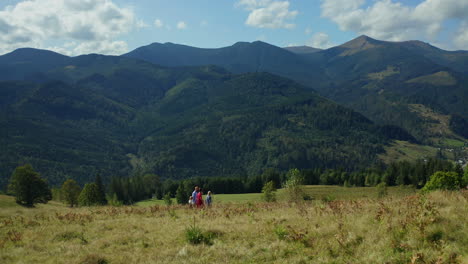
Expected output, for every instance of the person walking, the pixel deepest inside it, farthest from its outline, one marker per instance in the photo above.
(195, 195)
(199, 201)
(209, 200)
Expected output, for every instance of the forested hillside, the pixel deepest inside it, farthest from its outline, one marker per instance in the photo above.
(381, 80)
(119, 116)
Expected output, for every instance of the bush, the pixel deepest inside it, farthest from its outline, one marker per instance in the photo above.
(281, 232)
(382, 190)
(465, 179)
(167, 199)
(195, 235)
(269, 192)
(444, 181)
(181, 194)
(28, 187)
(114, 201)
(293, 185)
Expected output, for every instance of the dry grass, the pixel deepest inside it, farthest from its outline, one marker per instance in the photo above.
(405, 229)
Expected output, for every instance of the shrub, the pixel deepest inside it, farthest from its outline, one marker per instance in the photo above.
(114, 201)
(328, 198)
(280, 232)
(382, 190)
(269, 192)
(195, 235)
(293, 185)
(465, 179)
(444, 181)
(181, 194)
(167, 199)
(435, 236)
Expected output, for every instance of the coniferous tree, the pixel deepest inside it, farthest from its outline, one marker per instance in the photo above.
(89, 195)
(28, 187)
(100, 189)
(181, 195)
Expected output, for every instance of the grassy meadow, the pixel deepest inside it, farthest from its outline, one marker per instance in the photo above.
(340, 225)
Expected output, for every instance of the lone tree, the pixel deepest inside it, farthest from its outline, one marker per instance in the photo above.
(294, 185)
(28, 187)
(269, 191)
(70, 192)
(89, 195)
(181, 194)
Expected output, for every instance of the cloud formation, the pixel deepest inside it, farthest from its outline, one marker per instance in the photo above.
(181, 25)
(320, 40)
(158, 23)
(85, 26)
(392, 20)
(268, 13)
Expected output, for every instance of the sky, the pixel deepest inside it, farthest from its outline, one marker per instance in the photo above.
(114, 27)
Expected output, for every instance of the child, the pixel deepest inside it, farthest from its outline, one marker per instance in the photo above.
(208, 199)
(190, 201)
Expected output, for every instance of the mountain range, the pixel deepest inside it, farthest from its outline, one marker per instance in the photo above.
(180, 111)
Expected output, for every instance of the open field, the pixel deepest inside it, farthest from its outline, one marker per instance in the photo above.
(396, 229)
(317, 192)
(404, 150)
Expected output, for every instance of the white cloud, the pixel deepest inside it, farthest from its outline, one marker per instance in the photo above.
(268, 13)
(393, 20)
(181, 25)
(158, 23)
(93, 25)
(461, 38)
(320, 40)
(141, 24)
(307, 31)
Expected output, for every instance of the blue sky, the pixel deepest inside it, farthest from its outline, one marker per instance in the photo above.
(116, 26)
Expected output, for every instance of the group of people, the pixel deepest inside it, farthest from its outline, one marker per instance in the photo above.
(197, 198)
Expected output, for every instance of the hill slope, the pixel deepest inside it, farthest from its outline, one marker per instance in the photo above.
(119, 116)
(377, 78)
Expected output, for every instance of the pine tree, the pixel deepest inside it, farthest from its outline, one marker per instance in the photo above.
(89, 195)
(181, 195)
(101, 190)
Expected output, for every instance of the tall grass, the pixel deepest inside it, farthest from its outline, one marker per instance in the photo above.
(392, 229)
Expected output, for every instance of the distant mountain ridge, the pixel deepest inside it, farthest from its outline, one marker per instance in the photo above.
(121, 116)
(181, 111)
(376, 78)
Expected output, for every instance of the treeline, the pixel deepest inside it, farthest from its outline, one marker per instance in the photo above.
(29, 188)
(133, 189)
